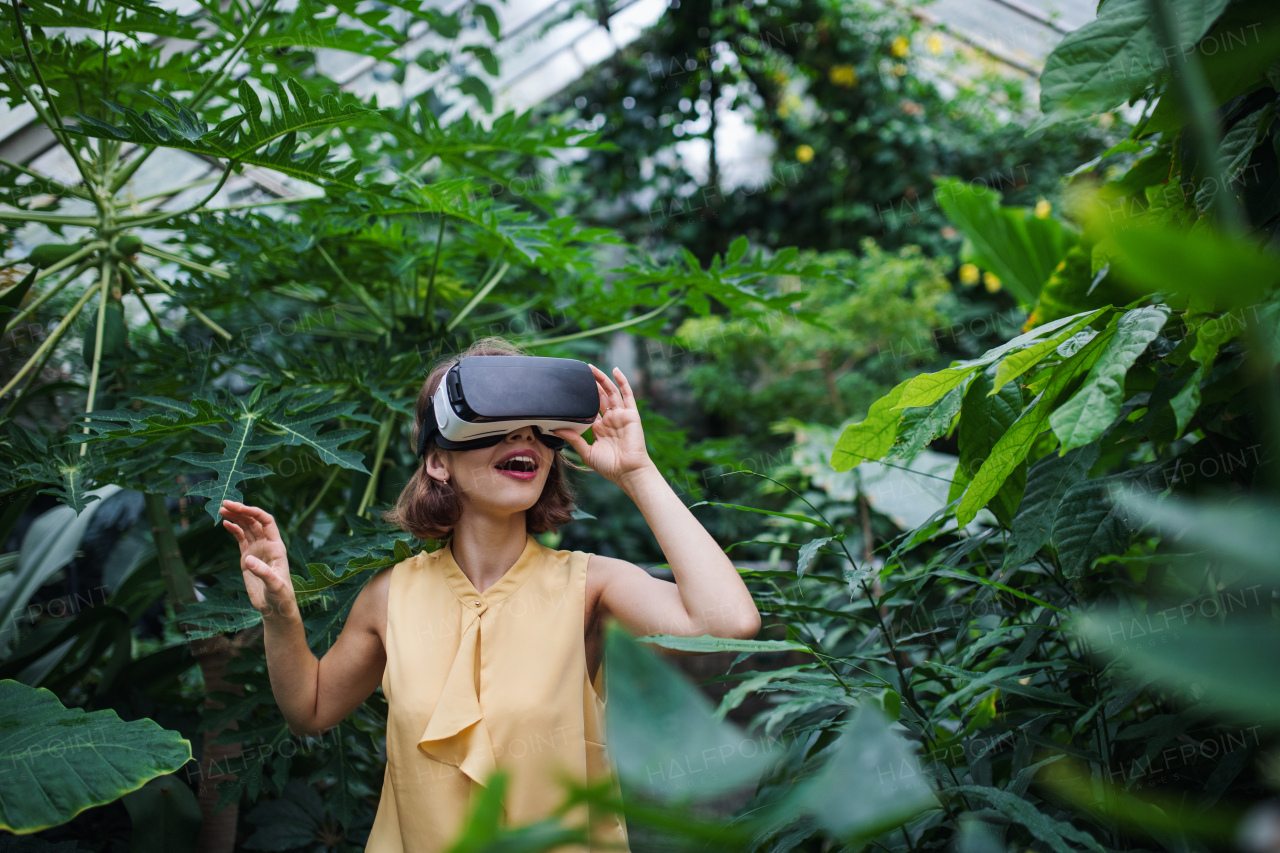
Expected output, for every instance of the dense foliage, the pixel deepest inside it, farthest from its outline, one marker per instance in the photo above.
(1033, 667)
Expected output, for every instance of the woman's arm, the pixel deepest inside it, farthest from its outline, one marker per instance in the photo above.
(314, 695)
(708, 596)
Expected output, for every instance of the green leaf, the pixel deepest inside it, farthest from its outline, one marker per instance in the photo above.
(1090, 524)
(663, 733)
(807, 553)
(1235, 667)
(232, 465)
(61, 761)
(871, 784)
(1047, 483)
(301, 426)
(476, 88)
(921, 426)
(1012, 448)
(245, 138)
(984, 419)
(1091, 410)
(165, 815)
(1054, 833)
(1013, 366)
(1021, 249)
(12, 299)
(1234, 151)
(708, 643)
(1114, 57)
(485, 56)
(1199, 262)
(742, 690)
(490, 17)
(872, 438)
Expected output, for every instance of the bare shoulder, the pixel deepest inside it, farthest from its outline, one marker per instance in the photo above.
(369, 611)
(601, 571)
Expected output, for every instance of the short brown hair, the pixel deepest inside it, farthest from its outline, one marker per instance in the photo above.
(429, 509)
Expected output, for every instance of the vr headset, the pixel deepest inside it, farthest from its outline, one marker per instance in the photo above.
(484, 397)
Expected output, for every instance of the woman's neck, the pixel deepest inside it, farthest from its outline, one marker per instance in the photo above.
(485, 547)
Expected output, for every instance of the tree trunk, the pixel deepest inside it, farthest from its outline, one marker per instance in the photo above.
(218, 828)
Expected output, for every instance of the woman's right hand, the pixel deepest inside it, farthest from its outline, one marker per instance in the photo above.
(263, 560)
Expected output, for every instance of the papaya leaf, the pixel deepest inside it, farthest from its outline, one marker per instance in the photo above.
(245, 138)
(301, 427)
(61, 761)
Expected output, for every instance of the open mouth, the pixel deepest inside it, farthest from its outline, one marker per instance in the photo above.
(522, 465)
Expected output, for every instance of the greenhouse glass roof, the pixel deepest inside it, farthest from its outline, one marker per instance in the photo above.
(546, 45)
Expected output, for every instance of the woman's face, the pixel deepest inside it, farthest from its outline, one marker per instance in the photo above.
(502, 479)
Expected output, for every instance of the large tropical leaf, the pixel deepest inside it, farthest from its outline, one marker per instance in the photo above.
(1114, 57)
(245, 137)
(61, 761)
(1047, 482)
(1012, 242)
(1084, 417)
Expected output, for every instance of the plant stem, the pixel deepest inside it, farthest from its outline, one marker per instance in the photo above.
(61, 187)
(181, 261)
(384, 435)
(612, 327)
(358, 289)
(333, 475)
(44, 297)
(161, 217)
(49, 341)
(104, 289)
(431, 281)
(168, 291)
(70, 259)
(479, 297)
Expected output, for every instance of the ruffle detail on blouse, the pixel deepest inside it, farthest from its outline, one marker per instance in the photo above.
(456, 733)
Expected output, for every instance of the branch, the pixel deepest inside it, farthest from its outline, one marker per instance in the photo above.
(139, 221)
(104, 287)
(44, 297)
(613, 327)
(480, 295)
(61, 187)
(168, 291)
(51, 340)
(50, 116)
(165, 256)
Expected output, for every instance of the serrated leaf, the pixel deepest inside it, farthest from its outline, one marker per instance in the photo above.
(301, 429)
(1054, 833)
(807, 553)
(921, 426)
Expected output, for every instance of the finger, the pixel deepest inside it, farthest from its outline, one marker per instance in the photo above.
(628, 398)
(264, 518)
(258, 568)
(235, 531)
(576, 441)
(611, 390)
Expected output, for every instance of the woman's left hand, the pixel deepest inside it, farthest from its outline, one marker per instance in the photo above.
(619, 450)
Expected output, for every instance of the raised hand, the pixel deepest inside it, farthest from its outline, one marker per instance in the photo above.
(263, 560)
(619, 450)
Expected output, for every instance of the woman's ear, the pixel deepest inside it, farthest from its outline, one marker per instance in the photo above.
(435, 465)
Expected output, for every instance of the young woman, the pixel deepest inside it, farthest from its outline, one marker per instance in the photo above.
(488, 650)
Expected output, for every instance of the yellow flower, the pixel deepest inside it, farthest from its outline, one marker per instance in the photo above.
(804, 153)
(1042, 209)
(844, 75)
(901, 46)
(968, 274)
(991, 282)
(934, 43)
(899, 70)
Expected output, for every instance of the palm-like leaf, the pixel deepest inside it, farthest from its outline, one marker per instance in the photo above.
(245, 138)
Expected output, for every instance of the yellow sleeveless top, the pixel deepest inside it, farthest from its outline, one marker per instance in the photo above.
(479, 681)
